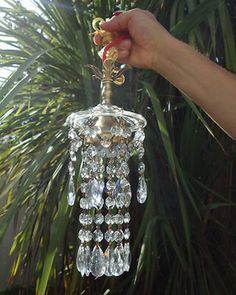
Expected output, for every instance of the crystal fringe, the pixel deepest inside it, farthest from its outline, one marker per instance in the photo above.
(113, 262)
(106, 197)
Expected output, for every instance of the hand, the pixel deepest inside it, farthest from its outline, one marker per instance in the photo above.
(151, 46)
(147, 37)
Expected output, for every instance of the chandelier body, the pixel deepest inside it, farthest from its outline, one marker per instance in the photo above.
(108, 137)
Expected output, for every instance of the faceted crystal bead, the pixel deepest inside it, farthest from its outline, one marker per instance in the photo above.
(118, 235)
(123, 169)
(97, 266)
(109, 219)
(73, 147)
(85, 219)
(71, 169)
(131, 147)
(92, 151)
(71, 192)
(121, 149)
(127, 217)
(97, 235)
(85, 172)
(110, 185)
(125, 185)
(124, 147)
(126, 234)
(78, 144)
(81, 235)
(84, 154)
(84, 187)
(86, 131)
(122, 193)
(72, 134)
(141, 168)
(99, 159)
(111, 170)
(120, 200)
(127, 156)
(117, 267)
(84, 203)
(105, 142)
(95, 130)
(110, 203)
(142, 190)
(109, 235)
(103, 152)
(127, 132)
(127, 200)
(140, 152)
(98, 204)
(97, 187)
(91, 131)
(88, 235)
(109, 260)
(80, 260)
(112, 153)
(139, 136)
(118, 219)
(122, 185)
(126, 257)
(72, 156)
(94, 167)
(100, 169)
(98, 219)
(116, 130)
(117, 189)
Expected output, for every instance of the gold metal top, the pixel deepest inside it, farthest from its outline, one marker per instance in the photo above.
(111, 72)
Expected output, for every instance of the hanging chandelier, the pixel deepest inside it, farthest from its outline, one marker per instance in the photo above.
(107, 137)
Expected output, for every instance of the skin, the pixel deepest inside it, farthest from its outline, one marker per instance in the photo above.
(151, 46)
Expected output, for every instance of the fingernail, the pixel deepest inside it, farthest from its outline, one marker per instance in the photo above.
(116, 13)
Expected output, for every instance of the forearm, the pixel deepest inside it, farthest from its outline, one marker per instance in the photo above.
(210, 86)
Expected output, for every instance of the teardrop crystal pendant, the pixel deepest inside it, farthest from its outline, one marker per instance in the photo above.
(108, 137)
(71, 192)
(142, 190)
(98, 265)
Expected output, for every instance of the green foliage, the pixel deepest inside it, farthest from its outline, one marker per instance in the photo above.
(183, 240)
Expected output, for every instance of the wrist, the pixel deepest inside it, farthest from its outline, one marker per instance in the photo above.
(163, 52)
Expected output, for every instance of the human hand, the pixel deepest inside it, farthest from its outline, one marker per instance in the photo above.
(147, 37)
(151, 46)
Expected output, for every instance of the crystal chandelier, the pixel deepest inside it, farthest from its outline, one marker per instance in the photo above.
(107, 137)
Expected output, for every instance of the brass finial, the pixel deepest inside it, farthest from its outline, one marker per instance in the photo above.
(111, 71)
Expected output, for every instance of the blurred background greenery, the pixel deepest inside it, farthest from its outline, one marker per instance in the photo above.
(184, 239)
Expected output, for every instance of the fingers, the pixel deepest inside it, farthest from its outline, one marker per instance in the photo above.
(124, 48)
(118, 23)
(97, 39)
(123, 55)
(124, 45)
